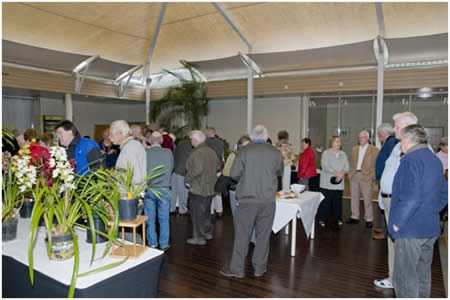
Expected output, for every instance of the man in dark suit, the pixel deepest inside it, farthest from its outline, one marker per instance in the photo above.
(255, 168)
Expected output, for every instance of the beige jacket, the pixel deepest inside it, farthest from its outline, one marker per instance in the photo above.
(287, 152)
(368, 163)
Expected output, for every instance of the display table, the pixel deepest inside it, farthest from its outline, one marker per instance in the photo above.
(288, 210)
(134, 278)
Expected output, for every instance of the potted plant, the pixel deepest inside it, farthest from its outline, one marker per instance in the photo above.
(121, 181)
(18, 178)
(11, 200)
(63, 201)
(187, 102)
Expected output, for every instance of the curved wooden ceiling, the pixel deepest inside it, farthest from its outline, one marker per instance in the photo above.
(195, 31)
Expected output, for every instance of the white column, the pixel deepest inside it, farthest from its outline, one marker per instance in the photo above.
(147, 101)
(250, 97)
(68, 108)
(380, 90)
(305, 116)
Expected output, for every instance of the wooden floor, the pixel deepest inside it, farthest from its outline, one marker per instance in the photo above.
(338, 263)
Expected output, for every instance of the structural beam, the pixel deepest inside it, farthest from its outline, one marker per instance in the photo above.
(239, 32)
(381, 54)
(248, 62)
(80, 72)
(232, 23)
(124, 79)
(148, 81)
(162, 12)
(380, 18)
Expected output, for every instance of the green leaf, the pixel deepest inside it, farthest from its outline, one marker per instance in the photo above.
(76, 264)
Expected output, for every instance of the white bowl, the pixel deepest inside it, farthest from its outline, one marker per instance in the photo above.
(297, 188)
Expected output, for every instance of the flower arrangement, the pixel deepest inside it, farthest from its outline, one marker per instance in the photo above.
(25, 171)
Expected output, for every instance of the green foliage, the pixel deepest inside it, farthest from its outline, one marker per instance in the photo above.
(12, 199)
(187, 102)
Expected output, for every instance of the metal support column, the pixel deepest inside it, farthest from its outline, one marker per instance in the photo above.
(250, 97)
(147, 101)
(68, 108)
(305, 116)
(380, 89)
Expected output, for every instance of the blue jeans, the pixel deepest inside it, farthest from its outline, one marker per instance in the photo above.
(153, 204)
(233, 204)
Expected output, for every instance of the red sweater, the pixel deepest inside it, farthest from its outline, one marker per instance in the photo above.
(167, 142)
(307, 164)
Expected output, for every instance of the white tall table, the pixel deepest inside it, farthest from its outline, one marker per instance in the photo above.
(288, 210)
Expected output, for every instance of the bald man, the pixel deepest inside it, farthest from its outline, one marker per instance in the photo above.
(362, 175)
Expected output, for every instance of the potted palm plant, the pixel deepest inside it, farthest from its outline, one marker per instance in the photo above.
(187, 102)
(61, 203)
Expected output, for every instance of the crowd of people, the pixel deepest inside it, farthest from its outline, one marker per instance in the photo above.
(412, 186)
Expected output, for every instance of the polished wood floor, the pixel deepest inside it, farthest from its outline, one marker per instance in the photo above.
(338, 263)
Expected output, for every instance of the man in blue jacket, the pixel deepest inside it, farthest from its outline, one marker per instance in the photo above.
(386, 135)
(419, 194)
(84, 151)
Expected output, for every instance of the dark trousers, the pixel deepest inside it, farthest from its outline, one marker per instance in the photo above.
(333, 200)
(383, 223)
(412, 267)
(247, 215)
(200, 208)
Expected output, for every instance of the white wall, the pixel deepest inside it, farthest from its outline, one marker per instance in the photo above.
(229, 117)
(20, 113)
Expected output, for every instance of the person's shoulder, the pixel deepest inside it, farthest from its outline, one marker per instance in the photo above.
(88, 142)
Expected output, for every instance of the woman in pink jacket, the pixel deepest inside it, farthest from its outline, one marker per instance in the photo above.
(306, 163)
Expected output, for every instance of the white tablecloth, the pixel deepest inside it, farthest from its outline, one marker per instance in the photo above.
(305, 208)
(62, 270)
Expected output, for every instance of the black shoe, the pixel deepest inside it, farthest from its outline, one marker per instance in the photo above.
(369, 224)
(260, 274)
(208, 236)
(322, 224)
(165, 248)
(339, 224)
(231, 275)
(196, 242)
(352, 221)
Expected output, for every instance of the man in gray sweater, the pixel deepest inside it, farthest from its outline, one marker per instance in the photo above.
(201, 176)
(157, 199)
(256, 168)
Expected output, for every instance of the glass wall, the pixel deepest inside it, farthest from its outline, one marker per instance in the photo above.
(347, 115)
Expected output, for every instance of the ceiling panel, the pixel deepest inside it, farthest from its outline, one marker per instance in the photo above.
(281, 26)
(406, 19)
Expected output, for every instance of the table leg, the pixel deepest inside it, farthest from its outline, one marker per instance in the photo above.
(134, 236)
(143, 235)
(123, 234)
(293, 235)
(311, 236)
(286, 229)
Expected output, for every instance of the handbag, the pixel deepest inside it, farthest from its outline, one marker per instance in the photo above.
(222, 184)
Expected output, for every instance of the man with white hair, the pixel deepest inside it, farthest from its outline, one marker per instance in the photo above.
(401, 120)
(387, 138)
(255, 168)
(362, 175)
(132, 152)
(419, 193)
(157, 200)
(201, 169)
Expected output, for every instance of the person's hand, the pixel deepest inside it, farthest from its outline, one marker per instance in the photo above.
(188, 185)
(396, 228)
(112, 151)
(342, 174)
(102, 152)
(339, 179)
(336, 173)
